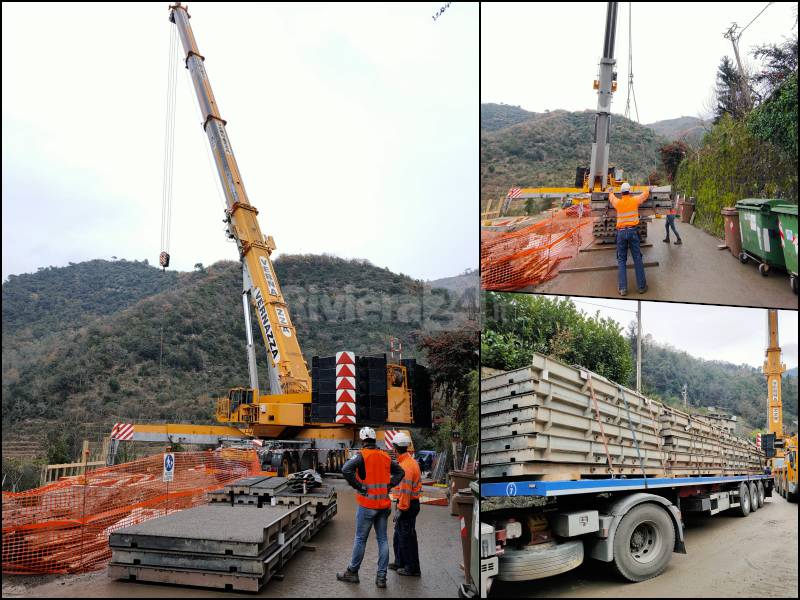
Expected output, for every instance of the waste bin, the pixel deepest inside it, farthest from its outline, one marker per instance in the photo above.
(687, 209)
(758, 227)
(458, 481)
(464, 500)
(733, 239)
(787, 229)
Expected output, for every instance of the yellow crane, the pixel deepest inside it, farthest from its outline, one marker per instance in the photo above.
(780, 448)
(281, 417)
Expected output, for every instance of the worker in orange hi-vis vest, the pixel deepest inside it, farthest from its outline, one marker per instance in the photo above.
(671, 214)
(372, 473)
(406, 549)
(627, 207)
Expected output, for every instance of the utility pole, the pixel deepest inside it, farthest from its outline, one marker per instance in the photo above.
(733, 35)
(684, 393)
(639, 346)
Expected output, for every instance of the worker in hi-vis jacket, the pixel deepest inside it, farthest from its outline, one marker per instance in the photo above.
(627, 207)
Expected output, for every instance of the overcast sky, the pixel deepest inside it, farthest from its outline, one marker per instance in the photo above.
(736, 335)
(355, 128)
(544, 55)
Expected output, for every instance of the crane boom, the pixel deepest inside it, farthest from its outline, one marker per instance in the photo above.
(773, 369)
(605, 85)
(288, 369)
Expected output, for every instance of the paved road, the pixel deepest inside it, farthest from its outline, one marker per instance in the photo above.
(308, 574)
(728, 556)
(695, 272)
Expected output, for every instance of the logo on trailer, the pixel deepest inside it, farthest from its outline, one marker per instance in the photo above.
(511, 489)
(271, 285)
(261, 308)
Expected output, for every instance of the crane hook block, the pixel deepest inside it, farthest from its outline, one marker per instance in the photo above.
(163, 259)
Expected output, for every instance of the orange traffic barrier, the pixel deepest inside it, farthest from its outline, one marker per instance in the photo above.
(63, 527)
(512, 260)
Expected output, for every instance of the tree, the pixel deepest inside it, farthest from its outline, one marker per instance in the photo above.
(671, 156)
(730, 99)
(199, 267)
(452, 361)
(781, 62)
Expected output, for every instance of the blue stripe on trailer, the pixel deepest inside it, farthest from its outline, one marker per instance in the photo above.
(564, 488)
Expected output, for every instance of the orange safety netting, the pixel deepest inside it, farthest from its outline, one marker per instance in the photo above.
(512, 260)
(63, 527)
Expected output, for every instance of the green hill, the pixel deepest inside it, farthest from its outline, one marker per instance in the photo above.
(687, 129)
(545, 149)
(108, 341)
(498, 116)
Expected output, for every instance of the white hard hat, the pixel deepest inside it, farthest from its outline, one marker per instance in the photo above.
(402, 439)
(367, 433)
(626, 187)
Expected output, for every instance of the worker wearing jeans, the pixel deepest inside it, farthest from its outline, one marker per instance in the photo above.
(671, 214)
(406, 549)
(627, 207)
(372, 473)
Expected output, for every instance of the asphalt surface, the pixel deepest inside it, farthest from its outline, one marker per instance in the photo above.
(694, 272)
(727, 557)
(310, 574)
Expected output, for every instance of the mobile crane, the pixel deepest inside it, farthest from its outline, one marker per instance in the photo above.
(593, 184)
(311, 439)
(779, 447)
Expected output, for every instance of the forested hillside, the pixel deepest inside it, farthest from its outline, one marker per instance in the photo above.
(516, 325)
(545, 148)
(104, 341)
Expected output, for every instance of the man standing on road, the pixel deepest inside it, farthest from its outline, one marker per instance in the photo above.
(372, 473)
(671, 214)
(406, 550)
(627, 207)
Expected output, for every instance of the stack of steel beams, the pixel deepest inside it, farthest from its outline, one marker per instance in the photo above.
(554, 421)
(234, 548)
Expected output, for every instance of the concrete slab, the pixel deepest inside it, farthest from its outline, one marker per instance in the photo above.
(213, 529)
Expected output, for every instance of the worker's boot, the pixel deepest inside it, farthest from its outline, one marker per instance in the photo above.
(348, 576)
(623, 292)
(408, 573)
(642, 290)
(665, 240)
(394, 566)
(380, 580)
(678, 242)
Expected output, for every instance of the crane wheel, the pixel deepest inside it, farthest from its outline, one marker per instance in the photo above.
(744, 500)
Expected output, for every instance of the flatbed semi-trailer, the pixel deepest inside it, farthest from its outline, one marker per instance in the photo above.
(531, 529)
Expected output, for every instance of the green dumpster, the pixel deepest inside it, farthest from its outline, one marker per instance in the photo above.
(787, 227)
(761, 240)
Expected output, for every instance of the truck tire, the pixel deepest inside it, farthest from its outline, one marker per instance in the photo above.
(754, 505)
(761, 493)
(744, 500)
(643, 542)
(541, 560)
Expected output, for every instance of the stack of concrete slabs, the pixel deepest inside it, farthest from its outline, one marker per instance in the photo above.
(236, 548)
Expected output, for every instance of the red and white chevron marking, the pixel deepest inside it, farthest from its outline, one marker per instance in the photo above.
(514, 192)
(388, 438)
(122, 431)
(346, 387)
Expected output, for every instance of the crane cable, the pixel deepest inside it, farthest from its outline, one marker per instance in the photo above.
(169, 149)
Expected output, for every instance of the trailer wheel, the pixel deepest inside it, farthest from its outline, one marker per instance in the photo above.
(761, 493)
(754, 505)
(541, 560)
(743, 258)
(744, 500)
(643, 542)
(763, 268)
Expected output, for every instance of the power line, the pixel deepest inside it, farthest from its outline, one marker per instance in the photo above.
(603, 306)
(754, 18)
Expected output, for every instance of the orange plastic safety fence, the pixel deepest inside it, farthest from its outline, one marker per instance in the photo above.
(63, 527)
(512, 260)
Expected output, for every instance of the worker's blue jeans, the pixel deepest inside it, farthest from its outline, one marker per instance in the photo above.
(671, 223)
(629, 238)
(406, 550)
(366, 519)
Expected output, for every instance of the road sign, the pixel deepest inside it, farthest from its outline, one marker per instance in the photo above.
(169, 466)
